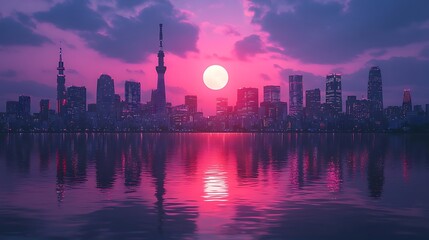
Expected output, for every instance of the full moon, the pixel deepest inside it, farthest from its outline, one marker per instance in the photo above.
(215, 77)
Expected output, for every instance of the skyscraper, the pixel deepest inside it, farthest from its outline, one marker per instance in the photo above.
(247, 101)
(271, 93)
(221, 106)
(272, 110)
(132, 96)
(12, 107)
(295, 95)
(375, 90)
(333, 92)
(44, 109)
(105, 99)
(25, 104)
(312, 101)
(407, 105)
(158, 98)
(61, 88)
(132, 92)
(191, 103)
(76, 103)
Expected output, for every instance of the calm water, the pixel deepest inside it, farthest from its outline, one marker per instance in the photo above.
(214, 186)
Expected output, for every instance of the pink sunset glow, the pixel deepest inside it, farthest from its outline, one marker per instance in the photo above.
(233, 34)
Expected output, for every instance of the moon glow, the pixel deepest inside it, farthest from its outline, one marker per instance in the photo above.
(215, 77)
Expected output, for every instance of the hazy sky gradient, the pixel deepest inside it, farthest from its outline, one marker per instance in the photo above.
(259, 42)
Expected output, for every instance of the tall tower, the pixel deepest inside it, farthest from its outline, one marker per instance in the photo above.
(271, 93)
(375, 90)
(158, 95)
(295, 95)
(407, 105)
(333, 92)
(61, 88)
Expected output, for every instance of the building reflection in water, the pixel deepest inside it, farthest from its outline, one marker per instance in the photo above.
(206, 170)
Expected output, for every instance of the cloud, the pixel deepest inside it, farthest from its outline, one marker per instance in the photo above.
(27, 87)
(397, 73)
(129, 3)
(425, 52)
(248, 47)
(333, 32)
(9, 73)
(72, 15)
(176, 90)
(230, 30)
(135, 71)
(14, 33)
(265, 77)
(133, 39)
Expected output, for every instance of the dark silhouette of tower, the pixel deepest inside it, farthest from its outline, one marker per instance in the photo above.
(158, 98)
(247, 101)
(375, 90)
(333, 92)
(407, 105)
(105, 100)
(61, 88)
(295, 95)
(191, 103)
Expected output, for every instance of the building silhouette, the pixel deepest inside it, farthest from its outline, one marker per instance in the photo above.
(295, 95)
(407, 105)
(105, 100)
(61, 88)
(191, 103)
(221, 106)
(158, 98)
(132, 96)
(271, 93)
(12, 107)
(44, 109)
(333, 92)
(272, 111)
(247, 102)
(375, 90)
(312, 102)
(25, 104)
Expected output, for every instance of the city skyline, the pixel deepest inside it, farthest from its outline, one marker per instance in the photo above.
(244, 38)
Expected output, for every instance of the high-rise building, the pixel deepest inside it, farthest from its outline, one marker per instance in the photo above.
(295, 95)
(25, 104)
(76, 100)
(375, 90)
(12, 107)
(247, 102)
(221, 106)
(312, 101)
(272, 110)
(271, 93)
(61, 88)
(333, 92)
(44, 109)
(358, 109)
(132, 96)
(158, 98)
(105, 99)
(132, 92)
(407, 105)
(351, 100)
(191, 103)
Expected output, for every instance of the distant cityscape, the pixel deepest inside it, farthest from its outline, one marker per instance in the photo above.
(110, 113)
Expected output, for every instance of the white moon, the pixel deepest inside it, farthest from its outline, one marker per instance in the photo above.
(215, 77)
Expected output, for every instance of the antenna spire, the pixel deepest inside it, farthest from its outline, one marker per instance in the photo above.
(160, 36)
(61, 51)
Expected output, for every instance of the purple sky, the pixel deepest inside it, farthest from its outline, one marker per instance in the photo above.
(259, 42)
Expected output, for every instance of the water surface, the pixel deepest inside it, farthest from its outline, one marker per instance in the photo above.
(214, 186)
